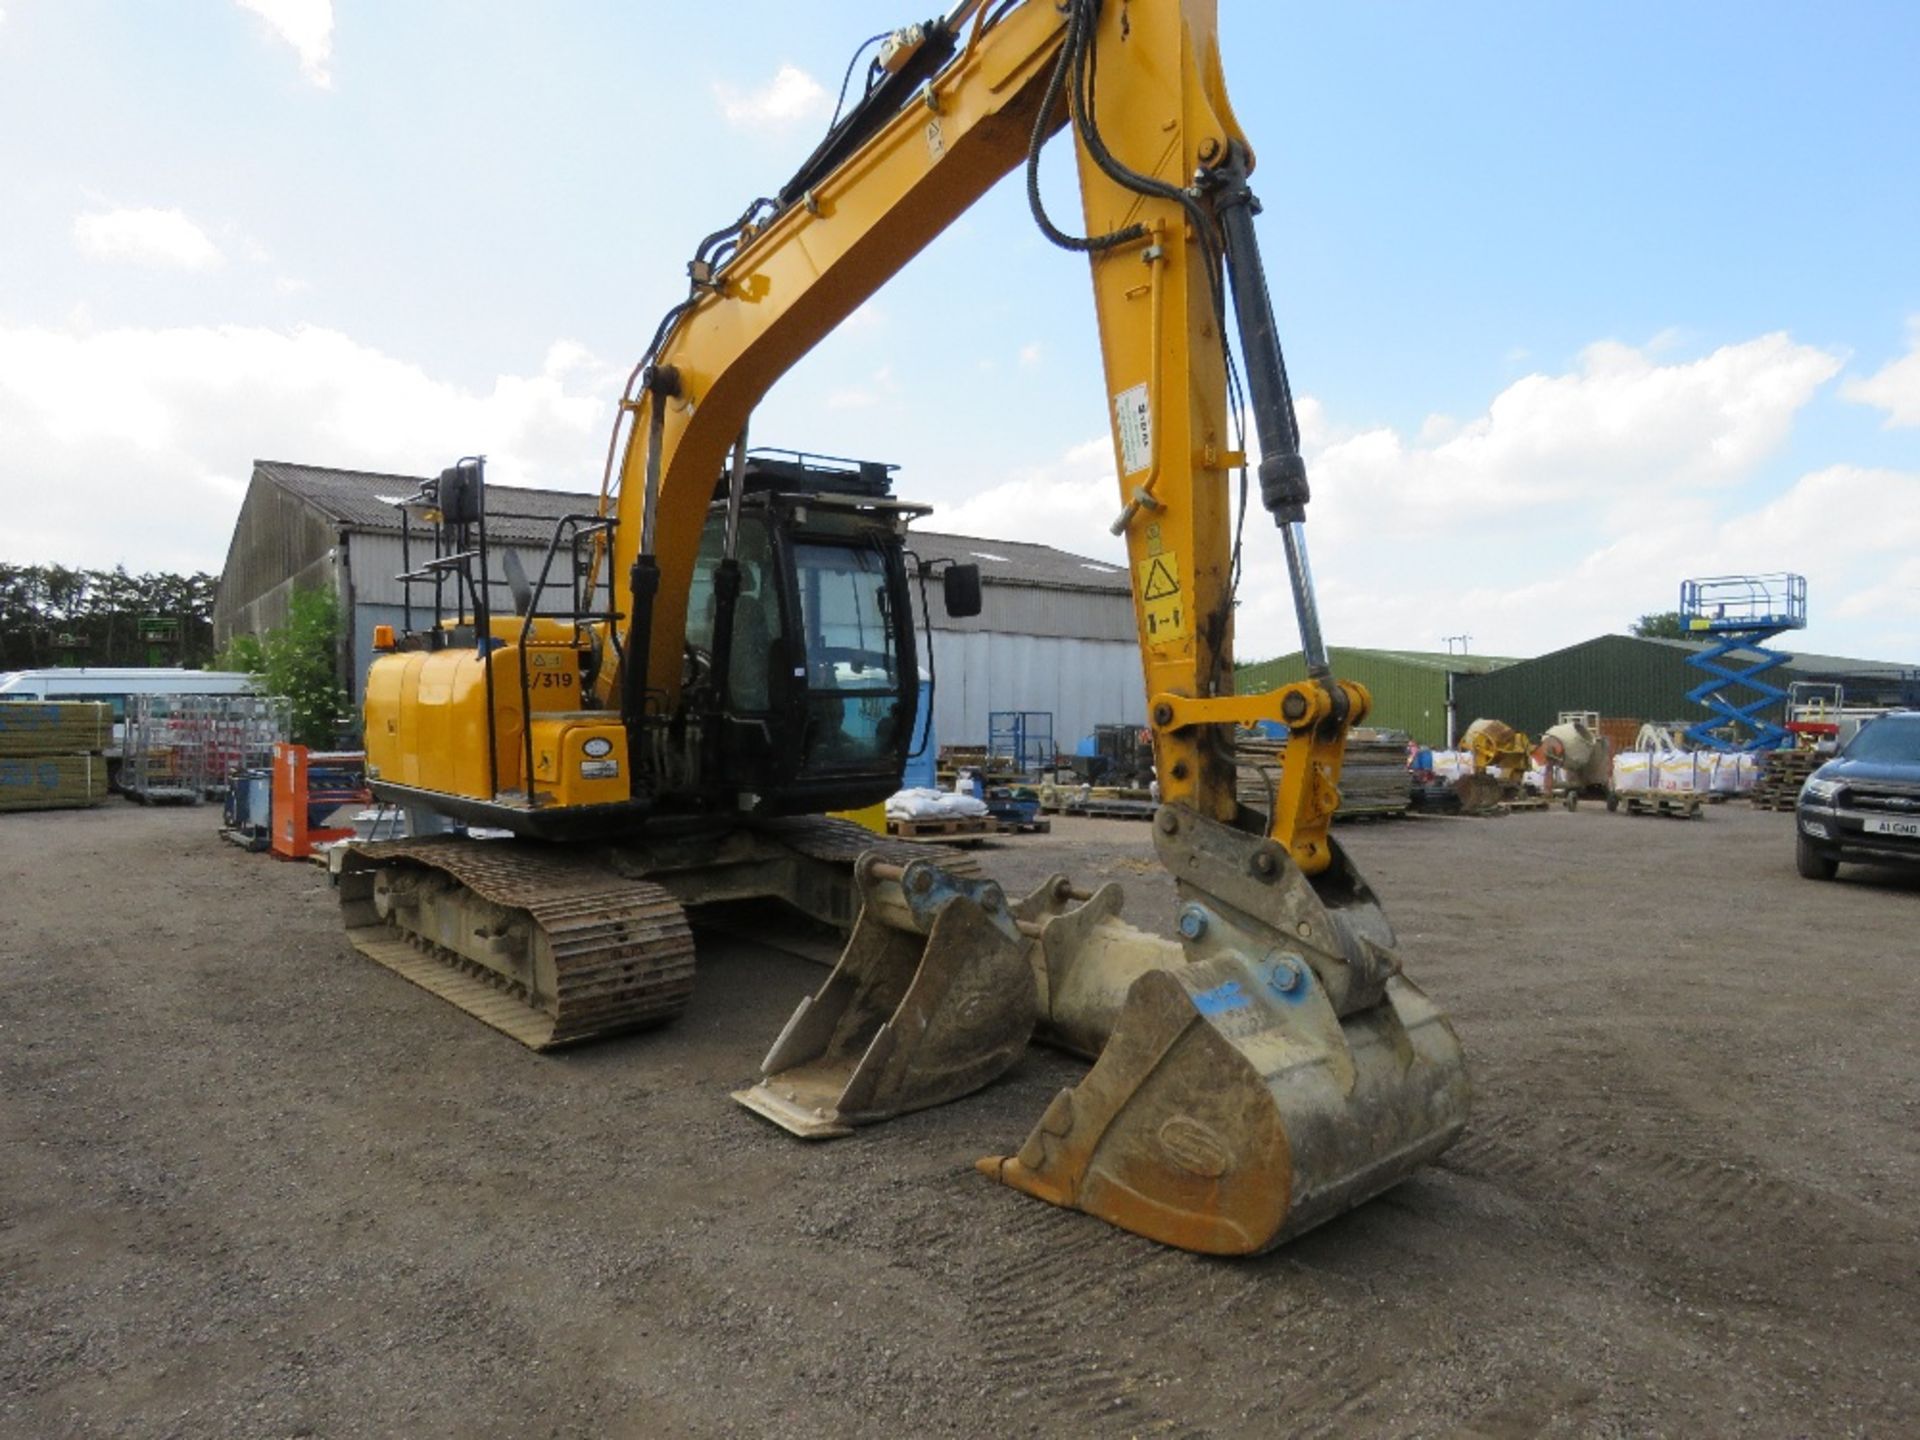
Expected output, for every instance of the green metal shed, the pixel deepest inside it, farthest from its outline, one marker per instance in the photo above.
(1643, 678)
(1409, 687)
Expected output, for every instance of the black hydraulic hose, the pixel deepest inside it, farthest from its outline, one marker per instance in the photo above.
(847, 79)
(1078, 36)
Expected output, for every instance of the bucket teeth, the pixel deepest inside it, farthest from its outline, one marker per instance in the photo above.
(1269, 1073)
(1217, 1118)
(933, 997)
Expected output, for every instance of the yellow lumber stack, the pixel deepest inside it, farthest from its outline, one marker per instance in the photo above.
(51, 754)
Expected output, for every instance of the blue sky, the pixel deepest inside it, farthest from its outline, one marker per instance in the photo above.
(1582, 300)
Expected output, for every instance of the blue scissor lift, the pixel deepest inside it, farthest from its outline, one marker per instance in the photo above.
(1737, 615)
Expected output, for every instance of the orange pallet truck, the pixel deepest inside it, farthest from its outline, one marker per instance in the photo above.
(308, 786)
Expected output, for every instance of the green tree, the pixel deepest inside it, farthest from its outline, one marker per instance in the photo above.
(297, 660)
(47, 611)
(301, 665)
(1661, 625)
(243, 653)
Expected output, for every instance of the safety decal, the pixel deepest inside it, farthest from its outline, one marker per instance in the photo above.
(1133, 420)
(1162, 603)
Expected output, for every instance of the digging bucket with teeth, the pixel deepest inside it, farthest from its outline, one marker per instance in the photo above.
(933, 997)
(1263, 1073)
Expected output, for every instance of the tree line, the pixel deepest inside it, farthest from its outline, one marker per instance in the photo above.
(51, 615)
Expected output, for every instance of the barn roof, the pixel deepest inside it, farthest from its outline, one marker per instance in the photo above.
(362, 500)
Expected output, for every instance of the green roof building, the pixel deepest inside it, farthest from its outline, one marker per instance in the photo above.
(1644, 678)
(1411, 689)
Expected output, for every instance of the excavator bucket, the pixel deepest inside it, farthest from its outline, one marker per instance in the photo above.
(933, 997)
(1479, 793)
(1264, 1073)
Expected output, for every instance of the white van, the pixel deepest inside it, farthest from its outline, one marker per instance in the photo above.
(115, 684)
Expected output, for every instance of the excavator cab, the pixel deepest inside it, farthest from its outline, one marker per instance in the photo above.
(802, 669)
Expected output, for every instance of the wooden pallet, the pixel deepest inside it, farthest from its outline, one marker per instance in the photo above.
(957, 828)
(1678, 804)
(1779, 784)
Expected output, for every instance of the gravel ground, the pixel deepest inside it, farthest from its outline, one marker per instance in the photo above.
(251, 1184)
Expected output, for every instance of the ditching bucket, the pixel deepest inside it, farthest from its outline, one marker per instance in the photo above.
(933, 998)
(1283, 1074)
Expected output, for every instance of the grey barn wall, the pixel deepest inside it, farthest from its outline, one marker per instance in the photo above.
(1083, 683)
(1070, 652)
(280, 543)
(1010, 608)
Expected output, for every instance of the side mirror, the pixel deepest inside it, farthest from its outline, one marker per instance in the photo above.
(961, 587)
(462, 493)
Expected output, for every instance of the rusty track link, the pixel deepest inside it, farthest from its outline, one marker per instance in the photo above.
(622, 953)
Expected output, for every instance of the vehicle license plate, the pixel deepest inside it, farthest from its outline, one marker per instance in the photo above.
(1879, 825)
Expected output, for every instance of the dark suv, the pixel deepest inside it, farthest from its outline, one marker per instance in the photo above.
(1864, 804)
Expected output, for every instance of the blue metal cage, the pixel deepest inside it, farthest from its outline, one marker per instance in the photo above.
(1718, 603)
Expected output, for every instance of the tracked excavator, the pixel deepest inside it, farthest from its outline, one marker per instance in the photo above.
(725, 646)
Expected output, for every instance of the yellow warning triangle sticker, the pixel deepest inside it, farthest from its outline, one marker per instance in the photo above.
(1162, 582)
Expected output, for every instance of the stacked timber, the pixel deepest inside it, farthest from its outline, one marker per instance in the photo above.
(1786, 771)
(52, 753)
(1373, 777)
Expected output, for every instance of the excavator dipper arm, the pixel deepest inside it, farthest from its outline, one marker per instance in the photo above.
(1271, 1066)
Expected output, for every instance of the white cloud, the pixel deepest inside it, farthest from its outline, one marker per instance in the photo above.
(1613, 433)
(1068, 502)
(1573, 504)
(1030, 354)
(306, 25)
(792, 96)
(1579, 501)
(153, 478)
(146, 237)
(1895, 387)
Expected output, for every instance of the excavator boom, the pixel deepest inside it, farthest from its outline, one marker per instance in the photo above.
(1272, 1066)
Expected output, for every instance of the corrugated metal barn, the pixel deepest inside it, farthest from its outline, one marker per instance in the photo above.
(1641, 678)
(304, 526)
(1056, 632)
(1410, 688)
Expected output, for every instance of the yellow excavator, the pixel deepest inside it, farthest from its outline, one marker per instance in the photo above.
(725, 647)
